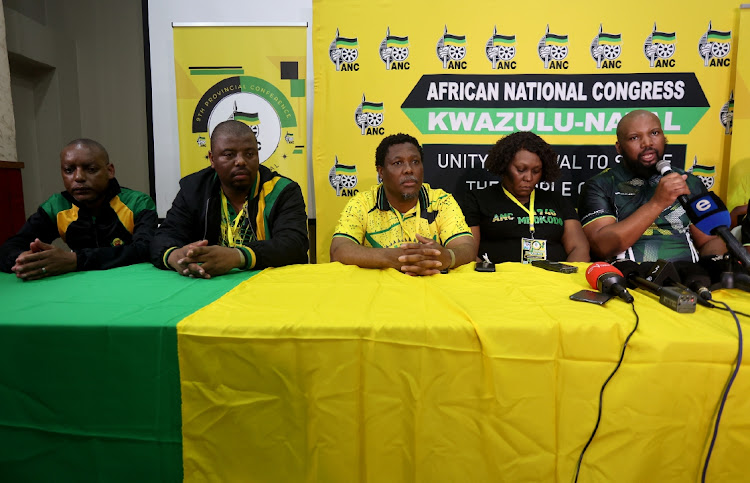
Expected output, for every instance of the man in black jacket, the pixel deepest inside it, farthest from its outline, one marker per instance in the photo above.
(104, 225)
(234, 214)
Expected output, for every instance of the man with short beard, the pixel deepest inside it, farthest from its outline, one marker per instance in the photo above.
(402, 223)
(234, 214)
(631, 211)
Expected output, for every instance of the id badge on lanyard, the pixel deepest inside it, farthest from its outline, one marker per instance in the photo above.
(231, 233)
(531, 248)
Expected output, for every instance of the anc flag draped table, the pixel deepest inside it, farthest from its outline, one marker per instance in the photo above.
(338, 374)
(89, 381)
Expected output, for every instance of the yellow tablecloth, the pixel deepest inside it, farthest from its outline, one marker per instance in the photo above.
(333, 373)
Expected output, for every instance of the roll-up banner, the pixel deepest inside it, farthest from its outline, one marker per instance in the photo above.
(738, 187)
(253, 73)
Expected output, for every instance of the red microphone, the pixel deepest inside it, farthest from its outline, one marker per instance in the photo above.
(607, 279)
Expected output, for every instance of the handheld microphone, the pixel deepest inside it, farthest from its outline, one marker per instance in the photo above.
(709, 214)
(664, 167)
(679, 300)
(607, 279)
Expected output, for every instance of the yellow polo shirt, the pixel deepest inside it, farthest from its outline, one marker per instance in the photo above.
(371, 221)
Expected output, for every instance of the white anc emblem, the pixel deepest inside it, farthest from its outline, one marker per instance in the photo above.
(500, 48)
(605, 47)
(659, 45)
(393, 49)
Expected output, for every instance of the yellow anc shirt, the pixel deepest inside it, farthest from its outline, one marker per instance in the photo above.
(371, 221)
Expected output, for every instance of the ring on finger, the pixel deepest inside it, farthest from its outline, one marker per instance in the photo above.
(44, 270)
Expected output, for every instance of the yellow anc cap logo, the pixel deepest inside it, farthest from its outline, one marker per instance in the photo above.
(117, 242)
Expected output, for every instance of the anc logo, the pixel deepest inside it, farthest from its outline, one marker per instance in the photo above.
(714, 47)
(451, 50)
(394, 51)
(553, 49)
(253, 101)
(726, 116)
(659, 48)
(254, 111)
(605, 49)
(369, 117)
(343, 178)
(704, 173)
(117, 242)
(501, 50)
(343, 52)
(249, 118)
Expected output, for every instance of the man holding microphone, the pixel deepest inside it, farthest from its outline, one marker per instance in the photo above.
(631, 211)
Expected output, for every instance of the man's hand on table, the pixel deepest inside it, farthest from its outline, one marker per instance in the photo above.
(44, 260)
(199, 260)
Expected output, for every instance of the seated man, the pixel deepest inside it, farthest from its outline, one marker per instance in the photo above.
(104, 225)
(631, 211)
(402, 223)
(233, 214)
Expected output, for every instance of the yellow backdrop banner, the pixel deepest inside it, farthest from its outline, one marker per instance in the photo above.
(252, 74)
(739, 186)
(458, 79)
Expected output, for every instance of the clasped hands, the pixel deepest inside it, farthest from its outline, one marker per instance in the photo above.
(422, 258)
(44, 260)
(199, 260)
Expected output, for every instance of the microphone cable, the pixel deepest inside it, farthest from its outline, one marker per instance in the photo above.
(735, 311)
(601, 392)
(726, 389)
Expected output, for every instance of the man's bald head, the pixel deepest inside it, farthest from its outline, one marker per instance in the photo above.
(231, 128)
(96, 149)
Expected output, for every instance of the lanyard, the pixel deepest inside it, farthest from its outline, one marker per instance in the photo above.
(529, 210)
(401, 222)
(232, 231)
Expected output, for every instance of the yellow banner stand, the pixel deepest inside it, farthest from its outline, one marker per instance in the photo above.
(739, 161)
(251, 73)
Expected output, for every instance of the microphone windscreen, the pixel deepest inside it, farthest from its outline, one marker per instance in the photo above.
(629, 269)
(662, 166)
(707, 212)
(597, 269)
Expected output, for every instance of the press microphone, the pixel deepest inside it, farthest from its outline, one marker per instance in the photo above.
(709, 214)
(629, 270)
(661, 272)
(607, 279)
(697, 279)
(679, 300)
